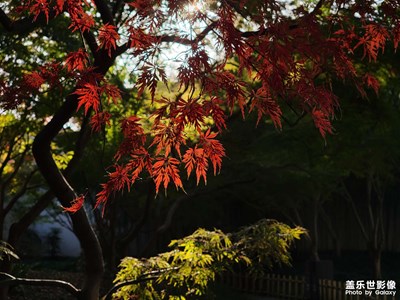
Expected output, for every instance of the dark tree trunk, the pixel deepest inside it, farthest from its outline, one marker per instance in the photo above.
(18, 228)
(332, 231)
(65, 194)
(376, 258)
(58, 184)
(314, 238)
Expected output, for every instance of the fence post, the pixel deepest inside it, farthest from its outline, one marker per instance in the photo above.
(291, 287)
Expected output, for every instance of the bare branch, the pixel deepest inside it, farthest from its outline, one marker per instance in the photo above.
(23, 26)
(7, 158)
(9, 279)
(175, 39)
(7, 181)
(295, 122)
(20, 193)
(18, 164)
(184, 41)
(349, 198)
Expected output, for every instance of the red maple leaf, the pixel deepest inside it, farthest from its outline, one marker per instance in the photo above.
(76, 60)
(189, 112)
(108, 37)
(194, 68)
(39, 6)
(80, 20)
(119, 179)
(134, 137)
(231, 86)
(51, 71)
(99, 120)
(112, 92)
(89, 97)
(213, 149)
(140, 160)
(164, 170)
(149, 77)
(33, 80)
(59, 6)
(143, 7)
(213, 108)
(194, 158)
(76, 205)
(322, 122)
(373, 40)
(168, 137)
(372, 82)
(140, 40)
(396, 35)
(265, 105)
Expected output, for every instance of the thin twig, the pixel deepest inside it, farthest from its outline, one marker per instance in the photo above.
(9, 279)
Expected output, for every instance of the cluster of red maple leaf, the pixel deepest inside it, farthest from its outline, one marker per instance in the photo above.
(287, 58)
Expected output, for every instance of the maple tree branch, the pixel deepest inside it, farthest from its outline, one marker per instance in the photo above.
(82, 140)
(8, 180)
(108, 295)
(185, 41)
(175, 39)
(60, 186)
(20, 193)
(5, 21)
(151, 275)
(12, 280)
(7, 157)
(237, 7)
(210, 27)
(295, 122)
(349, 198)
(17, 165)
(23, 26)
(317, 7)
(90, 40)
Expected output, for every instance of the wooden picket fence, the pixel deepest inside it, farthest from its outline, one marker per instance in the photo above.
(292, 287)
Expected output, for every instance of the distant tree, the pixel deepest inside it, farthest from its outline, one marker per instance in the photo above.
(289, 52)
(370, 155)
(53, 239)
(299, 176)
